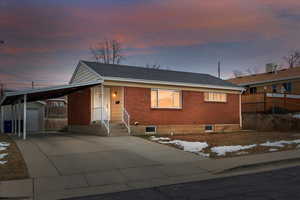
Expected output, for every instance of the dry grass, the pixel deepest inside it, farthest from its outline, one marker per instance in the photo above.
(240, 138)
(15, 168)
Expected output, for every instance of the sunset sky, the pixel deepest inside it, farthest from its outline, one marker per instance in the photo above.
(45, 39)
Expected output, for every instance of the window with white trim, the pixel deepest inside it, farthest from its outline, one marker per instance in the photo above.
(215, 97)
(165, 98)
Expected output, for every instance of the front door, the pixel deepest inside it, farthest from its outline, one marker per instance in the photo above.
(116, 94)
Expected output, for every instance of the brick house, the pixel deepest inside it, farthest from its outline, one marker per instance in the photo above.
(137, 100)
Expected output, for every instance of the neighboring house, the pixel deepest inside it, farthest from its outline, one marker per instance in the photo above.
(142, 100)
(272, 81)
(272, 91)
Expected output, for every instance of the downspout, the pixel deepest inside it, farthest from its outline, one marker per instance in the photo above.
(241, 117)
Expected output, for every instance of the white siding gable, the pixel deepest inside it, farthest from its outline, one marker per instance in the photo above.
(84, 74)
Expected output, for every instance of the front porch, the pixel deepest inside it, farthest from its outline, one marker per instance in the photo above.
(108, 116)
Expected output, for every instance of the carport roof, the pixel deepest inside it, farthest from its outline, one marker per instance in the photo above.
(39, 94)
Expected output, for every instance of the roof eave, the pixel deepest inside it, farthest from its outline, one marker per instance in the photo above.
(107, 78)
(268, 81)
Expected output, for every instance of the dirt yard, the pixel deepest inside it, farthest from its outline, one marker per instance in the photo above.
(12, 165)
(220, 145)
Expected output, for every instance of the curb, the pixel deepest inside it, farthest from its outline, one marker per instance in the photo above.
(258, 165)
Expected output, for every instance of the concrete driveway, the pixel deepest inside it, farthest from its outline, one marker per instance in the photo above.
(73, 165)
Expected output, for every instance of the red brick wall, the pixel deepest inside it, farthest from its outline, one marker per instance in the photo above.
(194, 109)
(79, 107)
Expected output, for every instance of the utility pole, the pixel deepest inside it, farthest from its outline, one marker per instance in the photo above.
(2, 89)
(219, 69)
(32, 84)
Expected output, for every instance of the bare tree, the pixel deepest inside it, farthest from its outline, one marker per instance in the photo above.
(237, 73)
(108, 52)
(293, 58)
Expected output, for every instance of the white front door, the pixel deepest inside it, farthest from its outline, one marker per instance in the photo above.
(106, 104)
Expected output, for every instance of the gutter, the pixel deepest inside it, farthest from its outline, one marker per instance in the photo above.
(108, 78)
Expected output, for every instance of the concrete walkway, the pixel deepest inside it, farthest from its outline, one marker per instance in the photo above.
(62, 166)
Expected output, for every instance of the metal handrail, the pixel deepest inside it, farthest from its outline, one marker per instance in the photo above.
(105, 119)
(126, 120)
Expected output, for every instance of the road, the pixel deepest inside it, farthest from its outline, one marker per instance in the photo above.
(278, 184)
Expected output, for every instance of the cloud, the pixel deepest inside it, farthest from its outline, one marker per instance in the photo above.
(53, 35)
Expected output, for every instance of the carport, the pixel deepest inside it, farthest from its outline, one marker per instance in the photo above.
(19, 99)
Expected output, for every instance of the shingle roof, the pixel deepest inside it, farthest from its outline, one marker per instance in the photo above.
(267, 77)
(132, 72)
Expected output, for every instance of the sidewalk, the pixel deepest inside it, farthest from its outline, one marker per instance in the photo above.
(46, 183)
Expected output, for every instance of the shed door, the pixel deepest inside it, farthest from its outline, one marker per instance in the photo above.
(32, 120)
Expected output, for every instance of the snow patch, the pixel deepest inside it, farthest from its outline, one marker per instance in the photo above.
(3, 162)
(206, 155)
(273, 150)
(3, 155)
(280, 143)
(194, 147)
(153, 138)
(4, 144)
(242, 153)
(296, 116)
(222, 150)
(3, 148)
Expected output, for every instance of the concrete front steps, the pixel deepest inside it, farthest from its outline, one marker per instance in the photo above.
(118, 129)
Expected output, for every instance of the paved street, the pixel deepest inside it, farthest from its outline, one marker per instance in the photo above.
(278, 184)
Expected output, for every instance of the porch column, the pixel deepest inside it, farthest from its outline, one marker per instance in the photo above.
(241, 116)
(19, 117)
(12, 119)
(102, 99)
(15, 118)
(24, 116)
(2, 119)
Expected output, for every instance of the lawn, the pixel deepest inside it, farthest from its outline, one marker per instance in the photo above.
(12, 165)
(220, 145)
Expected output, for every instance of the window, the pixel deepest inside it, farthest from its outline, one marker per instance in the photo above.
(253, 90)
(274, 88)
(150, 129)
(161, 98)
(287, 87)
(209, 128)
(215, 97)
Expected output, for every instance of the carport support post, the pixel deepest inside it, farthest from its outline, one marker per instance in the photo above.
(2, 119)
(15, 119)
(24, 116)
(19, 118)
(12, 119)
(102, 99)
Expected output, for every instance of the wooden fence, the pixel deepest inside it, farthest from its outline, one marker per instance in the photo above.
(270, 103)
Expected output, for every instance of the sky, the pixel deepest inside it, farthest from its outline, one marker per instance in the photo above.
(45, 39)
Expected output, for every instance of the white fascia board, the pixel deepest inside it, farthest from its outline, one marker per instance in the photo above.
(93, 71)
(52, 88)
(3, 99)
(269, 81)
(74, 73)
(106, 78)
(90, 69)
